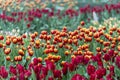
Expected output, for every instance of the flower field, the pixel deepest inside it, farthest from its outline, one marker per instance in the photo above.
(55, 40)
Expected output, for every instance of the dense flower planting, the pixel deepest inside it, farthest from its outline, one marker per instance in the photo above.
(59, 40)
(38, 19)
(85, 53)
(33, 13)
(13, 5)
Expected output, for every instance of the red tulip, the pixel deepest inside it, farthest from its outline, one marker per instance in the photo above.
(41, 77)
(30, 18)
(20, 68)
(3, 72)
(100, 64)
(111, 69)
(50, 65)
(86, 60)
(13, 70)
(28, 25)
(93, 76)
(45, 11)
(38, 15)
(90, 69)
(45, 71)
(117, 61)
(75, 61)
(107, 57)
(21, 76)
(14, 14)
(97, 57)
(10, 19)
(50, 78)
(37, 69)
(71, 67)
(27, 73)
(13, 78)
(78, 77)
(100, 73)
(109, 77)
(57, 74)
(65, 68)
(111, 52)
(50, 14)
(35, 61)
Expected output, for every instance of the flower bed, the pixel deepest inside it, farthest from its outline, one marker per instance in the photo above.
(85, 53)
(37, 19)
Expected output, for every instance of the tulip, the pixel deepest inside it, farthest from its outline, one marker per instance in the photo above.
(50, 78)
(78, 77)
(57, 74)
(1, 37)
(8, 58)
(107, 57)
(37, 68)
(44, 71)
(50, 65)
(100, 73)
(21, 76)
(117, 61)
(93, 76)
(3, 72)
(111, 68)
(20, 68)
(64, 70)
(35, 61)
(13, 70)
(109, 77)
(7, 51)
(27, 73)
(86, 60)
(90, 69)
(13, 78)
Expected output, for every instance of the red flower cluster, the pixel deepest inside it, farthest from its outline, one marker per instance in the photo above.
(30, 15)
(19, 70)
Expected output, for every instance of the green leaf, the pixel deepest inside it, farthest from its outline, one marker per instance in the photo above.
(33, 76)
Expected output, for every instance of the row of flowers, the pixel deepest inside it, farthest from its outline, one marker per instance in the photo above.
(50, 72)
(31, 14)
(62, 54)
(47, 18)
(13, 5)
